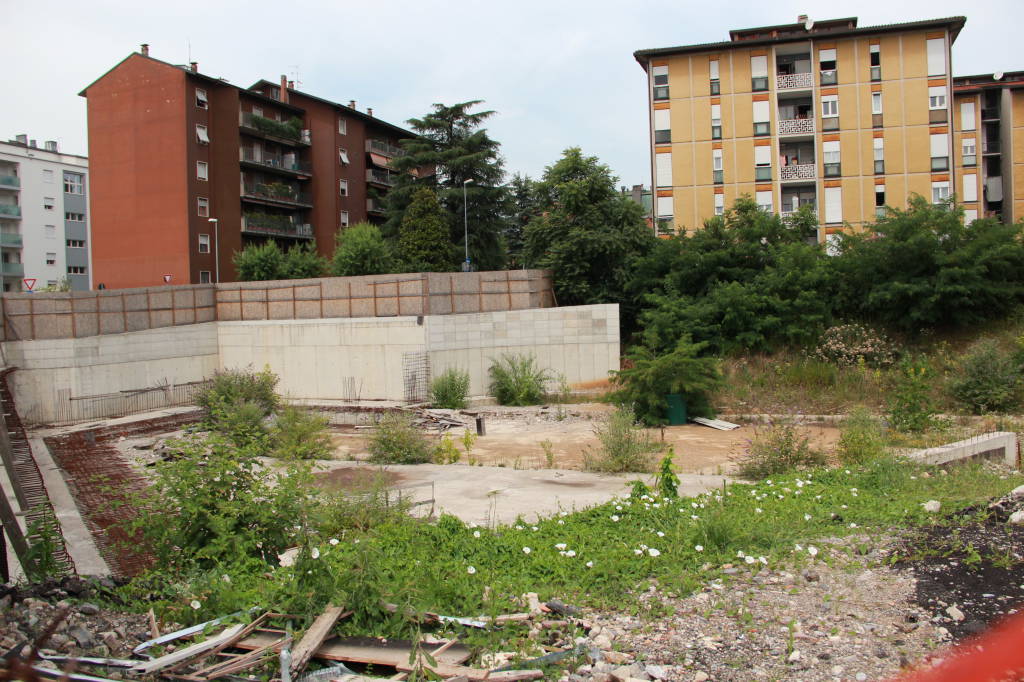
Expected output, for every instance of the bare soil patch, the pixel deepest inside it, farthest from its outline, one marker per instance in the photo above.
(356, 478)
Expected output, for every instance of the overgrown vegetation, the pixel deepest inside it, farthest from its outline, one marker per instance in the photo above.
(778, 449)
(625, 445)
(517, 380)
(449, 389)
(396, 440)
(862, 439)
(361, 249)
(300, 433)
(266, 261)
(988, 379)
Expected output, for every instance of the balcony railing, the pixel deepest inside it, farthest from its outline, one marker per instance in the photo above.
(277, 162)
(380, 177)
(276, 192)
(275, 225)
(12, 269)
(374, 206)
(276, 129)
(790, 211)
(789, 81)
(10, 240)
(800, 171)
(12, 181)
(796, 126)
(10, 211)
(990, 146)
(381, 147)
(990, 114)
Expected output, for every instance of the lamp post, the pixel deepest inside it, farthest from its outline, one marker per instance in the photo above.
(465, 220)
(216, 250)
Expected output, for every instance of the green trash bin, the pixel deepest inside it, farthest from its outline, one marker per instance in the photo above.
(676, 409)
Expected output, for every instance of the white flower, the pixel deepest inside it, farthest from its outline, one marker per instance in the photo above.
(653, 552)
(799, 547)
(561, 522)
(699, 548)
(195, 604)
(799, 483)
(519, 527)
(476, 533)
(694, 517)
(526, 550)
(807, 517)
(656, 505)
(226, 578)
(853, 525)
(315, 553)
(750, 559)
(643, 546)
(356, 541)
(561, 545)
(470, 570)
(661, 534)
(590, 564)
(693, 504)
(812, 550)
(614, 517)
(570, 553)
(758, 510)
(843, 506)
(763, 560)
(563, 513)
(333, 541)
(740, 554)
(533, 528)
(638, 552)
(847, 471)
(619, 507)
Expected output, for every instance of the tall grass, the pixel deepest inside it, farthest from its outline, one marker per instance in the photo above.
(625, 446)
(517, 380)
(449, 390)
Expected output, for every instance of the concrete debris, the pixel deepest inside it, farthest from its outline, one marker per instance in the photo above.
(932, 506)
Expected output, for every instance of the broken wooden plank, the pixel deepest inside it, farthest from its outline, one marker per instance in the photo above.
(473, 674)
(369, 650)
(245, 632)
(719, 424)
(238, 663)
(187, 653)
(314, 637)
(185, 632)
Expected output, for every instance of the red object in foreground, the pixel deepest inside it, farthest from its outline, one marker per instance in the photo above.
(992, 657)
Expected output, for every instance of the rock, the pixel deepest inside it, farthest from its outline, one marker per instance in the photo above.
(701, 676)
(955, 613)
(656, 672)
(1016, 518)
(811, 576)
(88, 609)
(110, 639)
(601, 677)
(974, 627)
(860, 677)
(932, 506)
(82, 636)
(794, 656)
(603, 642)
(617, 657)
(1017, 493)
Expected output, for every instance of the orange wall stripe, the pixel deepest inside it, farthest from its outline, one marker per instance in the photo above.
(661, 105)
(938, 130)
(762, 143)
(716, 145)
(936, 82)
(830, 138)
(763, 188)
(660, 62)
(830, 91)
(876, 87)
(833, 183)
(716, 100)
(825, 46)
(935, 34)
(719, 190)
(879, 181)
(761, 97)
(878, 133)
(664, 192)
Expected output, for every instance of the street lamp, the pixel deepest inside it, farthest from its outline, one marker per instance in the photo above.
(216, 250)
(465, 219)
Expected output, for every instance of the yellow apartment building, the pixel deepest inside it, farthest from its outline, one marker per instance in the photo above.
(844, 118)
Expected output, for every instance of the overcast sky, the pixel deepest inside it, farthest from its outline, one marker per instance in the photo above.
(558, 74)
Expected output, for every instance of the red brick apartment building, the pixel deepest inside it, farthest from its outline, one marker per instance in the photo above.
(171, 148)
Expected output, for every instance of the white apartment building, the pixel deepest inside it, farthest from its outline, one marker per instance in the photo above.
(44, 217)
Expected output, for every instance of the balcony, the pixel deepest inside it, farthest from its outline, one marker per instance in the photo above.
(990, 146)
(374, 206)
(12, 269)
(275, 192)
(288, 133)
(10, 182)
(990, 114)
(384, 149)
(829, 77)
(10, 211)
(794, 81)
(273, 225)
(796, 126)
(381, 177)
(274, 162)
(10, 240)
(802, 171)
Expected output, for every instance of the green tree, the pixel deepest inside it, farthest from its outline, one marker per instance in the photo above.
(257, 262)
(361, 250)
(452, 142)
(423, 243)
(523, 206)
(585, 231)
(303, 262)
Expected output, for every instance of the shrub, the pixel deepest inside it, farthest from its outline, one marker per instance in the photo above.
(365, 506)
(361, 250)
(862, 438)
(987, 379)
(241, 422)
(516, 380)
(398, 441)
(625, 446)
(449, 390)
(240, 385)
(300, 434)
(665, 481)
(849, 345)
(777, 450)
(910, 406)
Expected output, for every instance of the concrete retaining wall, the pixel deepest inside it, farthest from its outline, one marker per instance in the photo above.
(999, 445)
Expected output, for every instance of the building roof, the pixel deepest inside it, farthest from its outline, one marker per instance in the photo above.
(975, 83)
(785, 33)
(28, 148)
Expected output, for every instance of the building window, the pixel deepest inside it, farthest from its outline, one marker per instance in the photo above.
(342, 126)
(74, 183)
(833, 205)
(940, 151)
(48, 176)
(764, 200)
(970, 192)
(274, 92)
(49, 203)
(202, 136)
(344, 219)
(967, 116)
(74, 217)
(937, 57)
(663, 169)
(759, 73)
(662, 126)
(204, 276)
(204, 243)
(719, 204)
(827, 62)
(51, 258)
(937, 97)
(201, 99)
(76, 269)
(716, 121)
(659, 82)
(202, 170)
(343, 188)
(875, 52)
(50, 231)
(970, 215)
(202, 207)
(717, 171)
(970, 151)
(876, 102)
(51, 282)
(716, 87)
(664, 207)
(879, 152)
(879, 201)
(830, 157)
(342, 156)
(830, 106)
(940, 192)
(762, 120)
(763, 163)
(76, 243)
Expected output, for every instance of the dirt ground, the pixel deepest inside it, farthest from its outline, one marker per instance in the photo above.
(515, 438)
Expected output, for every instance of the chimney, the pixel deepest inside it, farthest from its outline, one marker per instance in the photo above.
(22, 139)
(802, 19)
(351, 104)
(32, 143)
(369, 111)
(145, 49)
(194, 66)
(51, 145)
(284, 89)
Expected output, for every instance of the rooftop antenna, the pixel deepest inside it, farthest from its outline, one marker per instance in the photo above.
(295, 75)
(997, 76)
(809, 24)
(188, 44)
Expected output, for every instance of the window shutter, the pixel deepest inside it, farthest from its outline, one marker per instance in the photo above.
(664, 207)
(878, 144)
(716, 159)
(826, 55)
(759, 67)
(830, 151)
(970, 187)
(833, 204)
(659, 71)
(713, 67)
(716, 114)
(970, 215)
(661, 119)
(763, 156)
(764, 200)
(940, 144)
(967, 116)
(937, 57)
(761, 114)
(663, 169)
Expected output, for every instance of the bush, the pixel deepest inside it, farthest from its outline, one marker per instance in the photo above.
(516, 380)
(449, 390)
(862, 438)
(911, 407)
(398, 441)
(361, 250)
(240, 385)
(849, 345)
(241, 422)
(987, 379)
(777, 450)
(365, 506)
(300, 434)
(625, 446)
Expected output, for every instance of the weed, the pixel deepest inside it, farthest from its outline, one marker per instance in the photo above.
(240, 385)
(777, 450)
(911, 407)
(625, 446)
(665, 481)
(549, 453)
(368, 505)
(398, 441)
(301, 434)
(516, 380)
(468, 440)
(446, 452)
(862, 438)
(43, 541)
(988, 379)
(449, 390)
